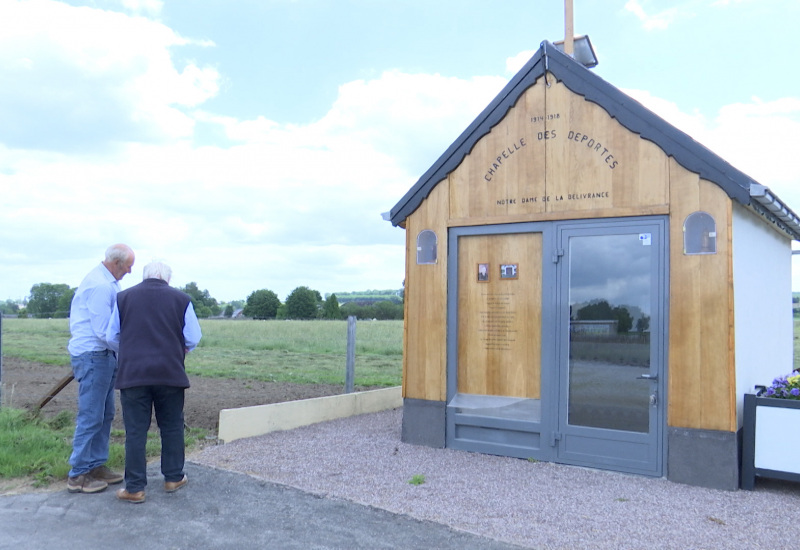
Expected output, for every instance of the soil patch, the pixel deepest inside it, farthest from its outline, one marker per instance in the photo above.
(25, 383)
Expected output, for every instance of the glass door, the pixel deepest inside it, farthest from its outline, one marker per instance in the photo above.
(611, 340)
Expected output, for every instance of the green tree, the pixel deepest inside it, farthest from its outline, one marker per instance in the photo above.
(623, 317)
(596, 311)
(356, 310)
(387, 310)
(204, 304)
(65, 302)
(303, 303)
(643, 323)
(48, 300)
(601, 310)
(331, 309)
(262, 304)
(9, 307)
(228, 311)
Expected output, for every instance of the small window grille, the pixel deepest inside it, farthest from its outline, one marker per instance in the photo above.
(699, 234)
(427, 243)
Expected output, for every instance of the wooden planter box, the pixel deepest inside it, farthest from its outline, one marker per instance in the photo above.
(770, 439)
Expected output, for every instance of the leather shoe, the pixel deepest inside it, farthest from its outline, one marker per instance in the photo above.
(135, 498)
(172, 486)
(104, 473)
(85, 483)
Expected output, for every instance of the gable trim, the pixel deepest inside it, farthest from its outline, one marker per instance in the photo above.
(630, 113)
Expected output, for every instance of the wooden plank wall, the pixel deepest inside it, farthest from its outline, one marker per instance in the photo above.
(701, 357)
(554, 145)
(500, 320)
(425, 343)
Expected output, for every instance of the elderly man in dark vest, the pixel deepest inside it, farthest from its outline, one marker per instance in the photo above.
(152, 326)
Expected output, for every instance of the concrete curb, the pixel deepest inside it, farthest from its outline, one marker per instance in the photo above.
(252, 421)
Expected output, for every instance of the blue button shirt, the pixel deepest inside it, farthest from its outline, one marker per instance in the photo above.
(91, 310)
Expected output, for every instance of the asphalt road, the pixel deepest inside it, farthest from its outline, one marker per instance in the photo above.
(216, 510)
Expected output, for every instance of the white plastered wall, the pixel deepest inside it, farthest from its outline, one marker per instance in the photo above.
(762, 294)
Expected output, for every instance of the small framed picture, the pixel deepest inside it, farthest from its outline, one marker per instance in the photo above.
(483, 273)
(509, 271)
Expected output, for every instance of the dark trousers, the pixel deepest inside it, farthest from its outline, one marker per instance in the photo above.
(137, 408)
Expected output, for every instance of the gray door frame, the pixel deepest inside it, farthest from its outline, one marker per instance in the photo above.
(481, 433)
(547, 438)
(604, 448)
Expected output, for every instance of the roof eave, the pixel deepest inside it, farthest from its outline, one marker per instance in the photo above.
(689, 153)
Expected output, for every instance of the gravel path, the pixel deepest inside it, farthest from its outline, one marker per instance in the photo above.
(532, 504)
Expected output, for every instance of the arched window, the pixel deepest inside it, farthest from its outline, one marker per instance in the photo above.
(426, 247)
(699, 234)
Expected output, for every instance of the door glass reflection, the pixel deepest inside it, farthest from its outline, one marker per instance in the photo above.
(609, 337)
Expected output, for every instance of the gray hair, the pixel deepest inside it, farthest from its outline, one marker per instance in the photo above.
(118, 253)
(157, 270)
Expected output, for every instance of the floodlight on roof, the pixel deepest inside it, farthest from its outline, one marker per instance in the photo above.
(584, 52)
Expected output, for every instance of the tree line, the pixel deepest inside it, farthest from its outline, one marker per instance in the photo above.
(53, 301)
(305, 303)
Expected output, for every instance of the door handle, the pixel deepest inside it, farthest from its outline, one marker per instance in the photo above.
(651, 377)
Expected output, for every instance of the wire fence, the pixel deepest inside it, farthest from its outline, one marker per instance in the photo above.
(352, 353)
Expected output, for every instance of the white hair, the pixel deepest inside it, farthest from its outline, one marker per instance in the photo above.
(118, 253)
(157, 270)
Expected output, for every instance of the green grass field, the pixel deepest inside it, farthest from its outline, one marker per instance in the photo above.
(283, 351)
(796, 344)
(306, 352)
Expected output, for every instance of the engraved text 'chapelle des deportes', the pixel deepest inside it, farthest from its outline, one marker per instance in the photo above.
(591, 144)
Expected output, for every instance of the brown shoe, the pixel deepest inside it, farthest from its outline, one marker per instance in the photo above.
(104, 473)
(172, 486)
(134, 498)
(85, 483)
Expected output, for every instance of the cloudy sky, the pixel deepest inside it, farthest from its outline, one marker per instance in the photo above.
(254, 143)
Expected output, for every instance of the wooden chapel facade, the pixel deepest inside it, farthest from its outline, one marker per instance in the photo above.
(588, 285)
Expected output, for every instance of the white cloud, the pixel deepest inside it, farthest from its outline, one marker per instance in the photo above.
(515, 63)
(98, 144)
(83, 78)
(277, 206)
(759, 138)
(148, 7)
(653, 21)
(388, 112)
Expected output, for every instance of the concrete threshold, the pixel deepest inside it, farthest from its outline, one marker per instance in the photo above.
(262, 419)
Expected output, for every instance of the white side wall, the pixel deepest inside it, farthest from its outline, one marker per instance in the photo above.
(762, 283)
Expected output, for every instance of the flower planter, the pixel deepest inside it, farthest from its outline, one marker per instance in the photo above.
(770, 439)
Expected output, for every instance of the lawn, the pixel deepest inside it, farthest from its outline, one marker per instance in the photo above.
(308, 352)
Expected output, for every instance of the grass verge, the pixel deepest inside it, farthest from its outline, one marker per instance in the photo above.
(38, 449)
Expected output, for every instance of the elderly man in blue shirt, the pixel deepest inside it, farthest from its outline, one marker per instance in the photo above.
(153, 326)
(94, 366)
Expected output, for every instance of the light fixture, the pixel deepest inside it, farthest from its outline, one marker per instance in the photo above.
(583, 51)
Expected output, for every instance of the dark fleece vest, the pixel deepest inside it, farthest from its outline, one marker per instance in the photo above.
(151, 343)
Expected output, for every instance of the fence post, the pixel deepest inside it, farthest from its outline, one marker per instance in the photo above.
(349, 378)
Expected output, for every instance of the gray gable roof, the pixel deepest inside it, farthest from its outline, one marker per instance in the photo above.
(630, 113)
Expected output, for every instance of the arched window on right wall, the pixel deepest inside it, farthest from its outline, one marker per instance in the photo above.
(699, 234)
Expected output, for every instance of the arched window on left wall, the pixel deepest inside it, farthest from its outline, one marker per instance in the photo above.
(427, 242)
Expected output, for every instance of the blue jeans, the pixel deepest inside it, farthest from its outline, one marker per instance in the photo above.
(96, 372)
(137, 408)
